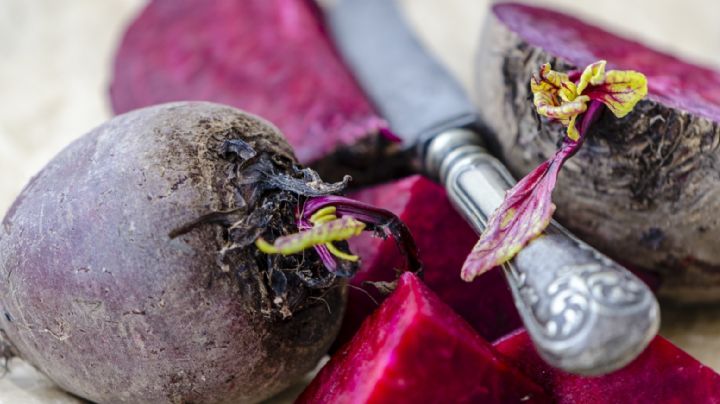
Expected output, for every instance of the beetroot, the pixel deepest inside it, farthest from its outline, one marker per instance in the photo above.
(269, 57)
(129, 269)
(444, 240)
(644, 188)
(414, 349)
(661, 374)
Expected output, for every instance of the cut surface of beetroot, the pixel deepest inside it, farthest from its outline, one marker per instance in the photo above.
(272, 58)
(415, 349)
(671, 81)
(444, 240)
(661, 374)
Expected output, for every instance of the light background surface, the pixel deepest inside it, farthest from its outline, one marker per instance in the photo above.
(55, 59)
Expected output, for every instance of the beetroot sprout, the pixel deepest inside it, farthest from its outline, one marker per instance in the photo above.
(527, 208)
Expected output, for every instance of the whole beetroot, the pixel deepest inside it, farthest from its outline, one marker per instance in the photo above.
(129, 272)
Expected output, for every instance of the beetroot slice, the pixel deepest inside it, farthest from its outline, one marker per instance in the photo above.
(671, 81)
(661, 374)
(415, 349)
(444, 240)
(269, 57)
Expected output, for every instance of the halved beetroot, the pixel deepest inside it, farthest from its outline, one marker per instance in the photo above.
(269, 57)
(661, 374)
(415, 349)
(443, 240)
(644, 188)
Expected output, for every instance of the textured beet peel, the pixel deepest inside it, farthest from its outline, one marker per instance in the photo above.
(268, 57)
(415, 349)
(129, 272)
(661, 374)
(443, 240)
(644, 188)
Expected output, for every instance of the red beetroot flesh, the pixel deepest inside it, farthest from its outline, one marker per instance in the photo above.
(269, 57)
(415, 349)
(444, 240)
(671, 81)
(661, 374)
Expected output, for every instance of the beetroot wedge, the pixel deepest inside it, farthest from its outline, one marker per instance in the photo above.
(661, 374)
(269, 57)
(643, 187)
(444, 240)
(415, 349)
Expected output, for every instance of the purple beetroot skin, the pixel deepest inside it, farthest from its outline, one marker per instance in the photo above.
(644, 188)
(661, 374)
(113, 288)
(443, 240)
(272, 58)
(415, 349)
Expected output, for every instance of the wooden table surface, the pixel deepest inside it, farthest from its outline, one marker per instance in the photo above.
(55, 68)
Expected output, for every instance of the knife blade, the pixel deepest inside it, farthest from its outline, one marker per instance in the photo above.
(403, 87)
(585, 313)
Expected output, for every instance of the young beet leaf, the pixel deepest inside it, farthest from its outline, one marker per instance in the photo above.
(527, 208)
(326, 219)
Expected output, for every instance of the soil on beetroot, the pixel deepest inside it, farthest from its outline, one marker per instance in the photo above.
(267, 186)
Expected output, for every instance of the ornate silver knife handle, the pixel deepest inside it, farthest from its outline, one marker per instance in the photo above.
(585, 313)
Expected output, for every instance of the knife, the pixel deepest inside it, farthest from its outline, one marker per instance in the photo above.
(585, 313)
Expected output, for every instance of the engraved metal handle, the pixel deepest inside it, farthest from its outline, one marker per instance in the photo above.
(585, 313)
